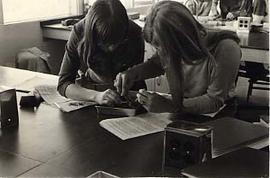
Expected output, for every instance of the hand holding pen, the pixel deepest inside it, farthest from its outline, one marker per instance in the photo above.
(123, 82)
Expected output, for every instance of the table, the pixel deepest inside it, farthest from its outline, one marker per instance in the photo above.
(73, 144)
(50, 143)
(24, 80)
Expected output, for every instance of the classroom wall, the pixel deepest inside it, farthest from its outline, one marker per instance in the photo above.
(14, 37)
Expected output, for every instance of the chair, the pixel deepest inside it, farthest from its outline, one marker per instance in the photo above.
(258, 76)
(33, 59)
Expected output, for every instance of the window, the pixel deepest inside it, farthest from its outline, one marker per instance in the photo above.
(138, 3)
(130, 3)
(31, 10)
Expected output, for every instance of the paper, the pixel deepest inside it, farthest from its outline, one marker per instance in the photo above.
(73, 105)
(130, 127)
(52, 97)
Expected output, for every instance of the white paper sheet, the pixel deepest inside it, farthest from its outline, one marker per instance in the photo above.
(130, 127)
(52, 97)
(73, 105)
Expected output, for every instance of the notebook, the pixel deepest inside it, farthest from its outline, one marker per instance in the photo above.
(246, 162)
(230, 134)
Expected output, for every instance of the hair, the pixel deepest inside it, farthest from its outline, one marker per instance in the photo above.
(106, 21)
(172, 29)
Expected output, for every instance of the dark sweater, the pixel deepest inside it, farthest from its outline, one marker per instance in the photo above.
(106, 65)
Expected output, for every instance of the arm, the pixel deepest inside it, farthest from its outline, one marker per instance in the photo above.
(70, 64)
(223, 9)
(191, 6)
(68, 72)
(146, 70)
(259, 10)
(222, 79)
(214, 9)
(244, 10)
(149, 69)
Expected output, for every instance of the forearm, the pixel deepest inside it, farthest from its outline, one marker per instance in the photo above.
(197, 105)
(202, 104)
(76, 92)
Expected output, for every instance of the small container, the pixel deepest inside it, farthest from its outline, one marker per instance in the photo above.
(186, 143)
(120, 111)
(8, 108)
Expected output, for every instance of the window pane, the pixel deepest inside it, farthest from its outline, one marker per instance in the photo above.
(28, 10)
(127, 3)
(142, 2)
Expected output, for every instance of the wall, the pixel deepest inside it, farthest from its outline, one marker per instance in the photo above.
(14, 37)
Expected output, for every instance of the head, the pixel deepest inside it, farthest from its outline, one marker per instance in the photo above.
(172, 29)
(106, 26)
(177, 36)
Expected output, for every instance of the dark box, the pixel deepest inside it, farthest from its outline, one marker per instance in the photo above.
(8, 108)
(186, 143)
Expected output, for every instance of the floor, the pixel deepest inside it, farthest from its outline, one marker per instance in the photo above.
(258, 103)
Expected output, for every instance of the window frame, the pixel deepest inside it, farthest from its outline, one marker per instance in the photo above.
(79, 9)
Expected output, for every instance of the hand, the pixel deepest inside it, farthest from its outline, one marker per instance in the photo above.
(107, 97)
(154, 102)
(123, 82)
(230, 16)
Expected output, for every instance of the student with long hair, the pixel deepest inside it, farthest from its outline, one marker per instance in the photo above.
(200, 66)
(101, 45)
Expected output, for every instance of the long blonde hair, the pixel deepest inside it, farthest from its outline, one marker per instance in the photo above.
(173, 30)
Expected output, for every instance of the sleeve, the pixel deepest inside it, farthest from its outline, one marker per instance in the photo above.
(70, 64)
(191, 6)
(149, 69)
(259, 7)
(223, 9)
(222, 76)
(214, 8)
(244, 10)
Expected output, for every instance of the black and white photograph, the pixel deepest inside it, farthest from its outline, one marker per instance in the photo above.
(134, 88)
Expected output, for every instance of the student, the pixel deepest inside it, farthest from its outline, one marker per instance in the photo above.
(260, 11)
(231, 9)
(200, 67)
(202, 7)
(101, 45)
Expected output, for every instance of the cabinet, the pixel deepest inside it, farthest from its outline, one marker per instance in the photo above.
(158, 84)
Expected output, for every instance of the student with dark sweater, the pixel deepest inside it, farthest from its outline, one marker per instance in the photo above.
(101, 45)
(231, 9)
(200, 66)
(202, 7)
